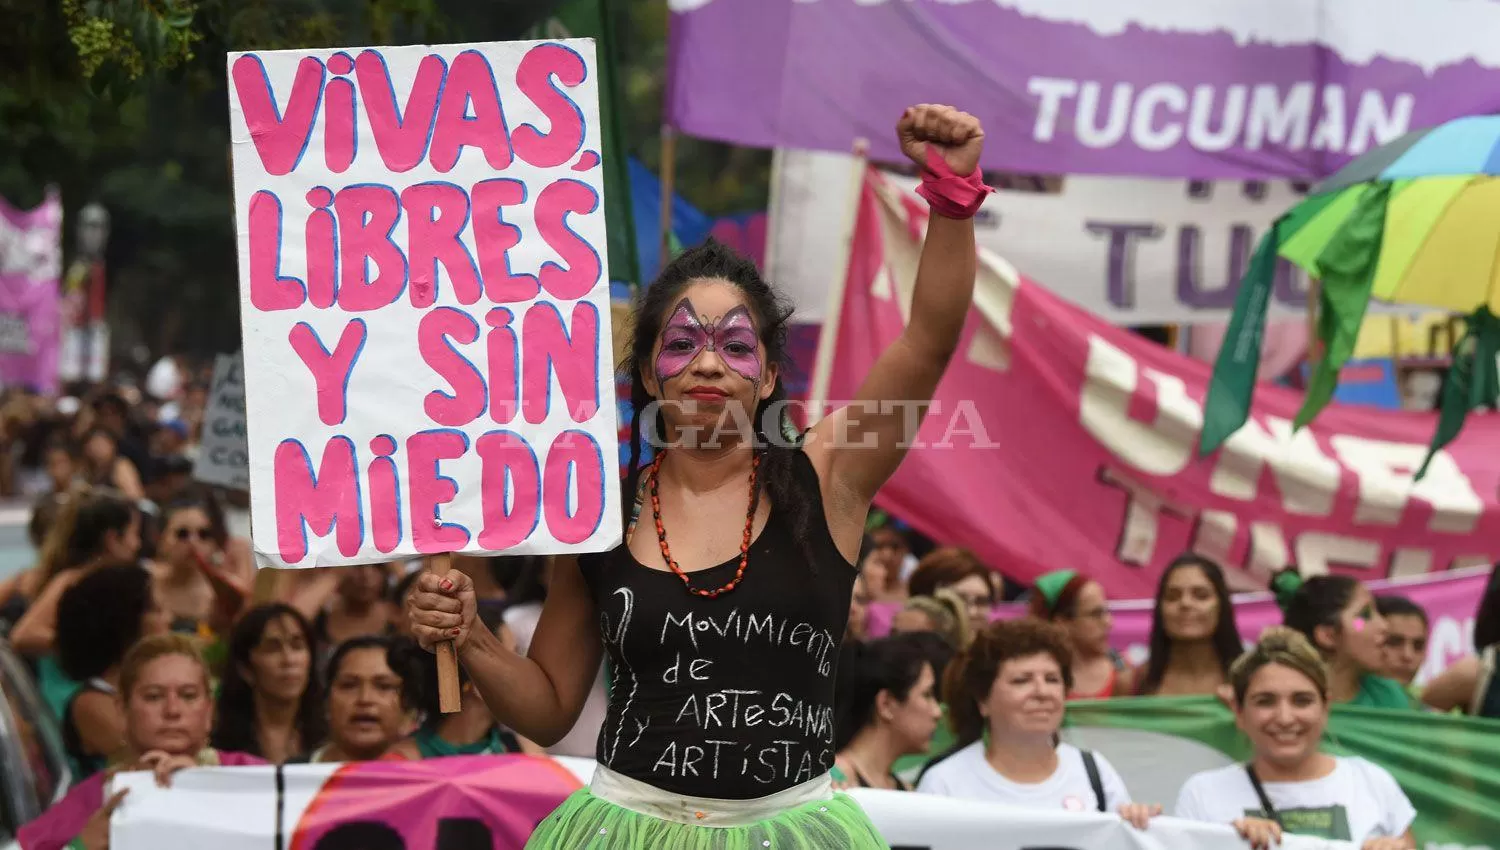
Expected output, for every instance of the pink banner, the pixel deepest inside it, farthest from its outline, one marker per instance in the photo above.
(30, 263)
(468, 801)
(1056, 440)
(1448, 599)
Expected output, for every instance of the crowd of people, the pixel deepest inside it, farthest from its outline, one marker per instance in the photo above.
(159, 647)
(950, 703)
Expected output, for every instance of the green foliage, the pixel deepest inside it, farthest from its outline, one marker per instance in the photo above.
(117, 41)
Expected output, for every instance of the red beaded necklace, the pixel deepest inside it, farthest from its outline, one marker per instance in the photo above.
(666, 552)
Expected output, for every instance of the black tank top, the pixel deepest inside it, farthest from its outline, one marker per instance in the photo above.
(729, 698)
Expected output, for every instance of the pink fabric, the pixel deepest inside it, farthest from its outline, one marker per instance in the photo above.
(1282, 349)
(1057, 440)
(62, 823)
(950, 195)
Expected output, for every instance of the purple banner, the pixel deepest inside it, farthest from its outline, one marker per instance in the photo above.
(30, 262)
(1167, 88)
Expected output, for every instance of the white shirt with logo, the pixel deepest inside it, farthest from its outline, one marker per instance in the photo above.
(1358, 801)
(967, 775)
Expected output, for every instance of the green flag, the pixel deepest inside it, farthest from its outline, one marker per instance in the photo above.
(1473, 381)
(1233, 382)
(1346, 267)
(590, 19)
(1449, 766)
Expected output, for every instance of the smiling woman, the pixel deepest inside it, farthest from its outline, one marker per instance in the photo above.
(1194, 638)
(1281, 696)
(1005, 696)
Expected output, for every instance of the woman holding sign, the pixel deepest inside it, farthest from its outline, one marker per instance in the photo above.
(723, 627)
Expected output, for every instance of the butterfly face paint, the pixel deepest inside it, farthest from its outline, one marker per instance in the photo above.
(685, 336)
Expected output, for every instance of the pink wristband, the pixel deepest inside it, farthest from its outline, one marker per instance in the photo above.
(948, 194)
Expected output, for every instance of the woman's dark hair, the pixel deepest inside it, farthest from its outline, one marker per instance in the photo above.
(521, 576)
(1226, 637)
(972, 674)
(204, 501)
(1317, 601)
(234, 722)
(81, 527)
(714, 261)
(1400, 606)
(1487, 617)
(946, 567)
(890, 664)
(99, 431)
(424, 688)
(99, 619)
(402, 655)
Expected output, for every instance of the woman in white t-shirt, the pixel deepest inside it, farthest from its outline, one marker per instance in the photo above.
(1005, 696)
(1281, 704)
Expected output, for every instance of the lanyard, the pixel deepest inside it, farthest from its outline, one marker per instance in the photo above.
(1265, 801)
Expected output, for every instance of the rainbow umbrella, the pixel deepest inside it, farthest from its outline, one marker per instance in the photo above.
(1415, 221)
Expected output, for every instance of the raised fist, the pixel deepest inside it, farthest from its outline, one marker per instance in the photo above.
(956, 136)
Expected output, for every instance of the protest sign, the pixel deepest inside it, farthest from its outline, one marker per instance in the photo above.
(222, 455)
(1056, 439)
(1170, 88)
(494, 802)
(424, 298)
(30, 262)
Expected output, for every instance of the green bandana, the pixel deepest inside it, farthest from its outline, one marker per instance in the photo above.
(1051, 585)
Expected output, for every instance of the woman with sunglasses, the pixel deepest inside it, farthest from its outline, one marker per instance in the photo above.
(200, 592)
(1077, 603)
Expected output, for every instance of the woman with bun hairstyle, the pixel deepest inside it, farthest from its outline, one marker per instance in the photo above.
(1338, 617)
(1077, 603)
(1006, 695)
(1281, 702)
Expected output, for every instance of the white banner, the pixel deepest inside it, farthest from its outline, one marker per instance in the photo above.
(1131, 251)
(425, 304)
(222, 452)
(406, 806)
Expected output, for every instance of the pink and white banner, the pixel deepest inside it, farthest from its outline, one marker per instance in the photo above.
(1057, 440)
(30, 262)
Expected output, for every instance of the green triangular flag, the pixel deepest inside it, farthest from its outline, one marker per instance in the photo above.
(1473, 381)
(1346, 266)
(1233, 382)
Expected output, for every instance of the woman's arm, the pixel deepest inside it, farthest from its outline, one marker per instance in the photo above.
(101, 729)
(1454, 687)
(310, 592)
(36, 631)
(539, 695)
(862, 444)
(127, 479)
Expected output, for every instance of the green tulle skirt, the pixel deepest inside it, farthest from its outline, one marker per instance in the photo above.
(586, 822)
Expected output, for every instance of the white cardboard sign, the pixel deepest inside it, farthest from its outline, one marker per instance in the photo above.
(425, 302)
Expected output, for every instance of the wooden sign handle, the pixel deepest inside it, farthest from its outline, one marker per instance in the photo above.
(449, 698)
